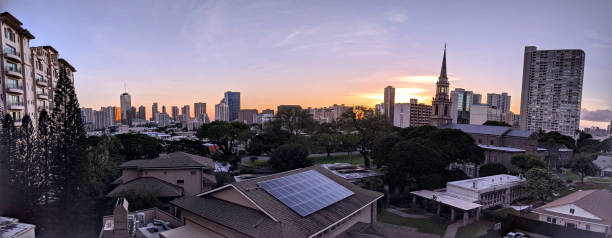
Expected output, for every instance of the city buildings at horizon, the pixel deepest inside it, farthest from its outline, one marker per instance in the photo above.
(199, 110)
(552, 90)
(154, 112)
(499, 101)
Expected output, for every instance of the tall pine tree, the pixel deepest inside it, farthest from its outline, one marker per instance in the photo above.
(8, 148)
(45, 155)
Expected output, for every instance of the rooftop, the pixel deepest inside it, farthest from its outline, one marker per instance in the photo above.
(10, 227)
(148, 185)
(501, 148)
(589, 200)
(489, 182)
(350, 171)
(448, 199)
(172, 160)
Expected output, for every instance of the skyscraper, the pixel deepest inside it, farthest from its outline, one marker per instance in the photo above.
(125, 101)
(175, 113)
(142, 113)
(199, 109)
(461, 102)
(441, 103)
(185, 112)
(164, 109)
(233, 102)
(389, 102)
(154, 112)
(477, 99)
(552, 90)
(499, 101)
(221, 111)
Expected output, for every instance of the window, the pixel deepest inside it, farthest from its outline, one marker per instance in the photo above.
(11, 50)
(11, 67)
(16, 115)
(588, 227)
(9, 34)
(180, 181)
(479, 141)
(492, 142)
(571, 210)
(39, 65)
(193, 172)
(39, 78)
(12, 83)
(548, 219)
(554, 220)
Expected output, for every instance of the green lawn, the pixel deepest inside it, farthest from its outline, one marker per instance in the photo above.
(356, 158)
(572, 176)
(432, 225)
(599, 180)
(475, 229)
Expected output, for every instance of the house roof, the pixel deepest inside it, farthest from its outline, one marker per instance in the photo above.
(501, 148)
(290, 223)
(149, 185)
(172, 160)
(603, 161)
(519, 133)
(590, 200)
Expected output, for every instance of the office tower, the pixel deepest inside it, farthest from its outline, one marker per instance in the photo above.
(164, 119)
(154, 113)
(87, 115)
(247, 116)
(175, 113)
(164, 109)
(267, 111)
(389, 102)
(441, 102)
(221, 111)
(401, 115)
(379, 109)
(199, 110)
(500, 101)
(476, 98)
(233, 102)
(117, 115)
(551, 95)
(29, 74)
(420, 114)
(460, 105)
(185, 112)
(126, 104)
(142, 113)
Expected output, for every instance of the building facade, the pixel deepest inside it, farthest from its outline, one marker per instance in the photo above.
(481, 113)
(441, 104)
(142, 113)
(199, 110)
(125, 102)
(154, 112)
(221, 111)
(233, 103)
(185, 113)
(460, 106)
(328, 114)
(420, 114)
(247, 116)
(552, 90)
(499, 101)
(389, 102)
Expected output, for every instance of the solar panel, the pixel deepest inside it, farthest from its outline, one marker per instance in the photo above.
(306, 192)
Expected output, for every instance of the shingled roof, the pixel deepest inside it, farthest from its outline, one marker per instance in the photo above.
(590, 200)
(148, 185)
(290, 223)
(172, 160)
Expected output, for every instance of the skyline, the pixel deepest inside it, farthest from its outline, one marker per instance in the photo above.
(331, 53)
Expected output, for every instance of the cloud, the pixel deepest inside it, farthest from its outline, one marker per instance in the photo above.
(401, 95)
(424, 79)
(397, 17)
(596, 115)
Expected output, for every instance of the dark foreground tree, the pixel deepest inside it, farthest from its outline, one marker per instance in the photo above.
(584, 166)
(368, 127)
(543, 184)
(139, 146)
(527, 162)
(290, 156)
(227, 136)
(492, 169)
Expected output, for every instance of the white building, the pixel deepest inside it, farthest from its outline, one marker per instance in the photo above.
(222, 111)
(585, 210)
(490, 191)
(480, 113)
(401, 116)
(604, 162)
(11, 227)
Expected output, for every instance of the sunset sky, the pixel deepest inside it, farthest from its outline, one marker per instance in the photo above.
(314, 53)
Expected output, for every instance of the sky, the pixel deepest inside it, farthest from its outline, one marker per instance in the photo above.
(314, 53)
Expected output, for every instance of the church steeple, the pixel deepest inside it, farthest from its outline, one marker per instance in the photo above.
(443, 77)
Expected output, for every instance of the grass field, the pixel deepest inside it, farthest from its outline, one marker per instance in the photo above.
(572, 176)
(355, 159)
(432, 225)
(475, 229)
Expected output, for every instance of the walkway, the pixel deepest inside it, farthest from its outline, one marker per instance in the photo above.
(451, 230)
(401, 213)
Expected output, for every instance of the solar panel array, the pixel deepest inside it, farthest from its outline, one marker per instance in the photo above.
(306, 192)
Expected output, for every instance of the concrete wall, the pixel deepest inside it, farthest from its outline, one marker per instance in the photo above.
(231, 195)
(194, 219)
(192, 178)
(530, 144)
(129, 175)
(579, 224)
(501, 157)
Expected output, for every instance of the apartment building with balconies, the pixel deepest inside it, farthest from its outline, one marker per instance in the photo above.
(29, 74)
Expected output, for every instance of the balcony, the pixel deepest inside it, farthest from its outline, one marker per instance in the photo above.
(15, 72)
(42, 82)
(43, 95)
(16, 105)
(12, 55)
(15, 87)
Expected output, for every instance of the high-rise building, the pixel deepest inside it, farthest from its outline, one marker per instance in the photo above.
(420, 114)
(401, 115)
(482, 113)
(175, 113)
(551, 95)
(185, 113)
(199, 110)
(164, 119)
(125, 101)
(164, 109)
(441, 102)
(247, 116)
(477, 98)
(389, 102)
(142, 113)
(233, 102)
(461, 101)
(87, 115)
(222, 111)
(29, 74)
(328, 114)
(117, 115)
(499, 101)
(267, 111)
(104, 118)
(154, 112)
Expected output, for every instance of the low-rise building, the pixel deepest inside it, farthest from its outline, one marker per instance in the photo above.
(170, 176)
(584, 209)
(604, 163)
(12, 228)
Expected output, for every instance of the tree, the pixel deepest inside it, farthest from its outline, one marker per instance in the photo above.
(492, 169)
(584, 166)
(408, 161)
(290, 156)
(496, 123)
(139, 146)
(8, 149)
(227, 136)
(189, 146)
(271, 137)
(548, 140)
(295, 119)
(606, 145)
(542, 184)
(328, 141)
(527, 162)
(26, 169)
(369, 127)
(348, 143)
(45, 152)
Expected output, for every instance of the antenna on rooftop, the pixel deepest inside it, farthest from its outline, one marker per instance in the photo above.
(124, 87)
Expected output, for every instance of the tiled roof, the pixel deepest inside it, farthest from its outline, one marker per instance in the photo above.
(594, 201)
(478, 129)
(172, 160)
(519, 133)
(603, 161)
(290, 223)
(500, 148)
(149, 185)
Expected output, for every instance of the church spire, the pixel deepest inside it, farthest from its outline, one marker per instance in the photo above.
(443, 77)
